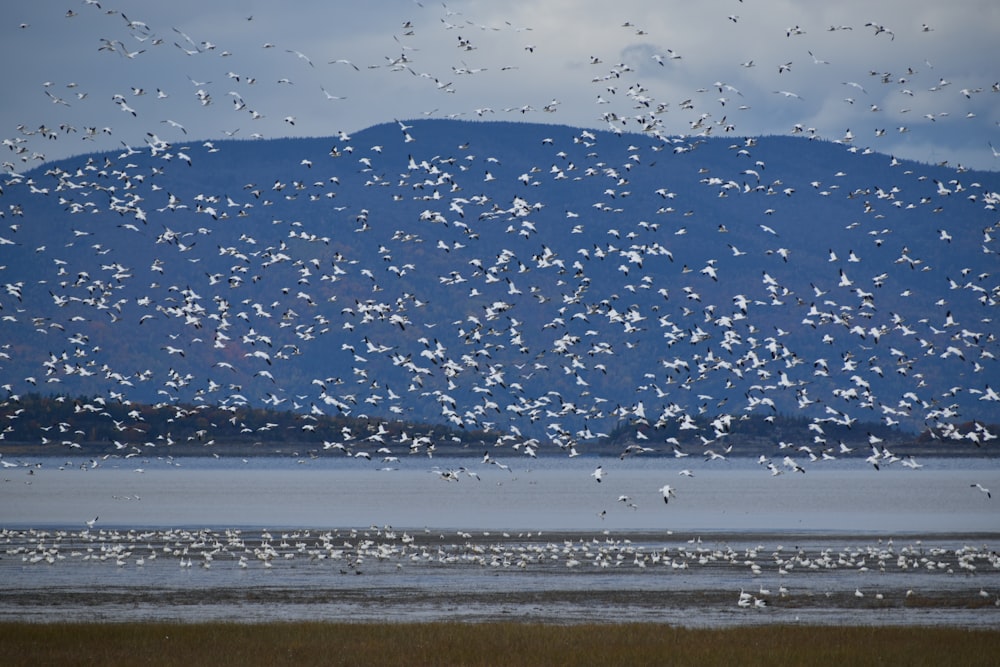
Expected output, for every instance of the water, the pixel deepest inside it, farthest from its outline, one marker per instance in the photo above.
(340, 539)
(536, 494)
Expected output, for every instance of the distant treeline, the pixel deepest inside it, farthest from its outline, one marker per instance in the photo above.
(60, 425)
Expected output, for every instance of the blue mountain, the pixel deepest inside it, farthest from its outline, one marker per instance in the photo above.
(544, 280)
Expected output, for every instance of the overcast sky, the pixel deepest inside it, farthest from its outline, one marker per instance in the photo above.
(918, 81)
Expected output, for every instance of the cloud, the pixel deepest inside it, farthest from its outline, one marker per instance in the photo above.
(431, 59)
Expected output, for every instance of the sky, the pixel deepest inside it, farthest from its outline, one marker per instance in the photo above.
(916, 79)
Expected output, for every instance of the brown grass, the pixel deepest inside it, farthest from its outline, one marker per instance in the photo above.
(304, 644)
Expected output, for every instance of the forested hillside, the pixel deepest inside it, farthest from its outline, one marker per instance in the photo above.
(549, 282)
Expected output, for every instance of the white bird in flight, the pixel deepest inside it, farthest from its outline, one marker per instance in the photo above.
(668, 493)
(981, 488)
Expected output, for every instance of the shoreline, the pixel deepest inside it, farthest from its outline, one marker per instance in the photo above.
(701, 609)
(571, 577)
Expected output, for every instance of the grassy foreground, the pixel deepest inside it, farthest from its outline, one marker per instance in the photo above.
(304, 644)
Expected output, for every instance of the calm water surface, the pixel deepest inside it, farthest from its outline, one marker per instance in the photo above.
(536, 494)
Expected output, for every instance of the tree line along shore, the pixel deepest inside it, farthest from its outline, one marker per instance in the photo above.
(37, 425)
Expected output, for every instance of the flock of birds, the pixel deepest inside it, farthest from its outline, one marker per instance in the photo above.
(512, 318)
(381, 551)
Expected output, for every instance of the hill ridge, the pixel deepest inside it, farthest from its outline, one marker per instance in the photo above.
(545, 279)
